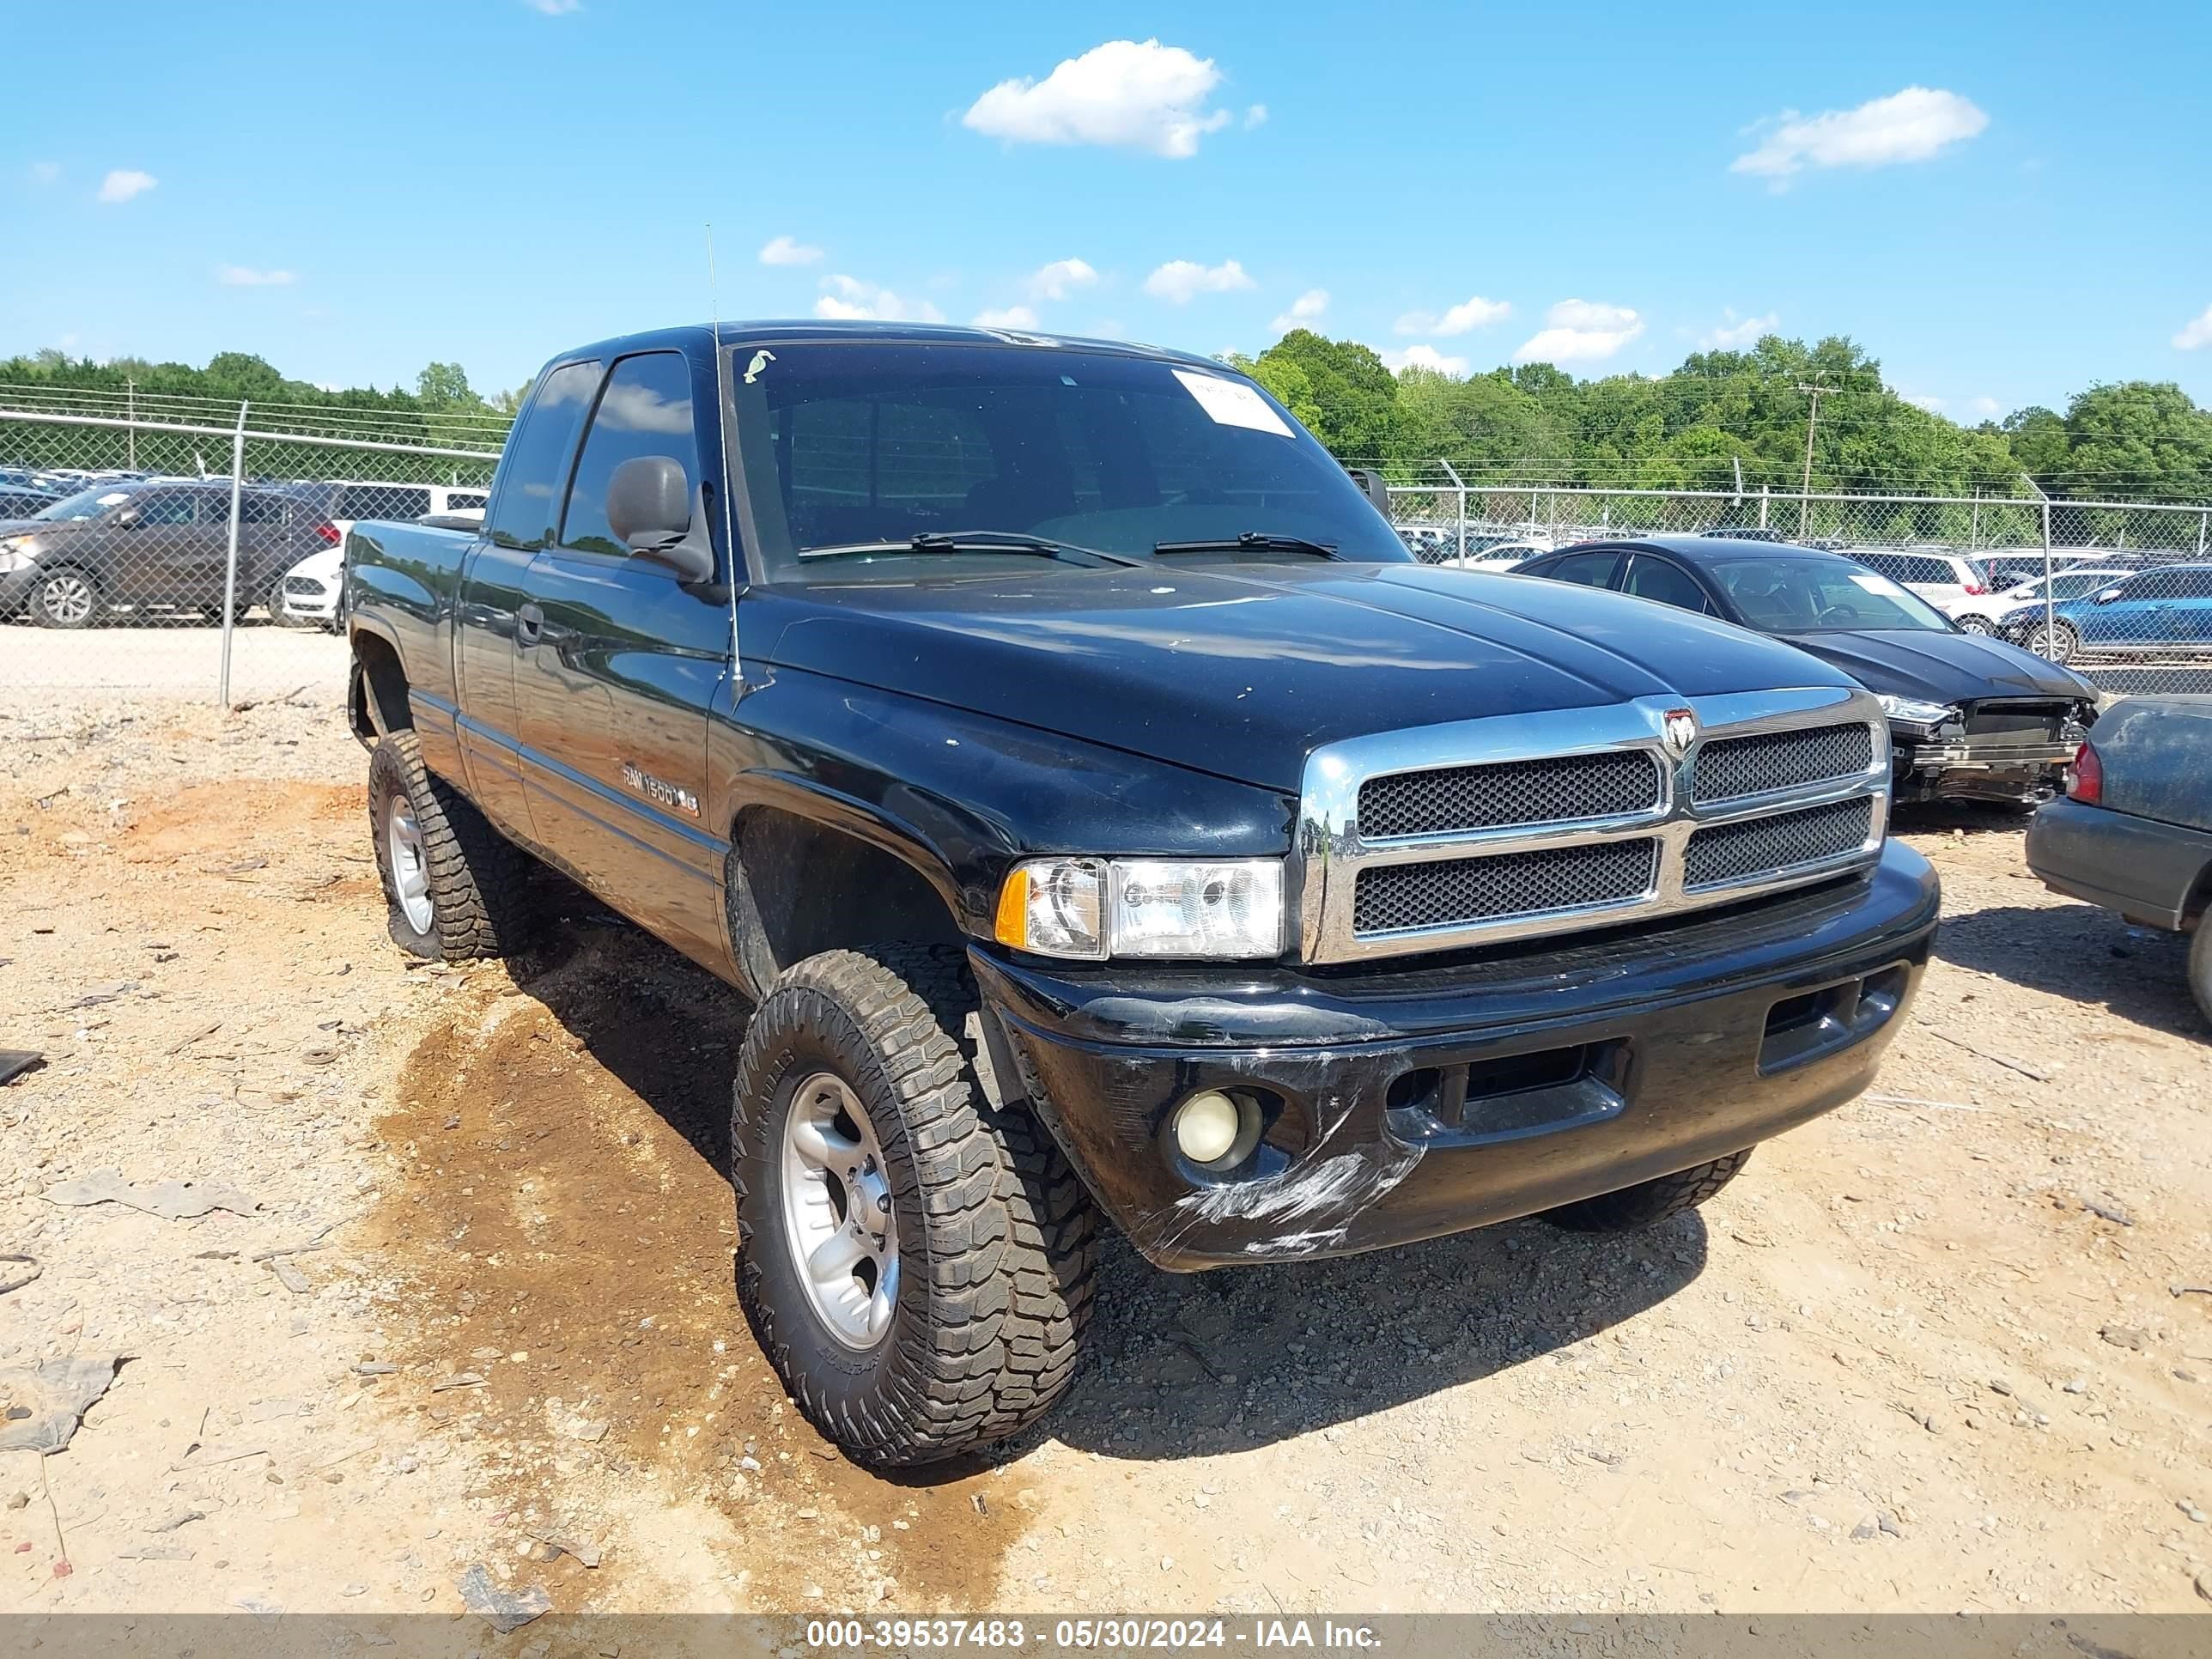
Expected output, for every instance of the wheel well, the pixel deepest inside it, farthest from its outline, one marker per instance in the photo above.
(798, 888)
(2199, 901)
(377, 699)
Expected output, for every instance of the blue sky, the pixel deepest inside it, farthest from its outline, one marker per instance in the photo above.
(352, 191)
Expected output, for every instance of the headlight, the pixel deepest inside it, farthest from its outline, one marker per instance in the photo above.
(1910, 711)
(16, 553)
(1092, 908)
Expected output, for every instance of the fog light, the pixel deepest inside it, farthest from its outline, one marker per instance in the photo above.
(1216, 1130)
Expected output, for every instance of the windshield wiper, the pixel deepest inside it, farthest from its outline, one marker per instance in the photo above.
(975, 541)
(1252, 541)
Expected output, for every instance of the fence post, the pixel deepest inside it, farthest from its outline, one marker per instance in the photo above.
(230, 554)
(1974, 534)
(2202, 519)
(1459, 548)
(1766, 496)
(2050, 632)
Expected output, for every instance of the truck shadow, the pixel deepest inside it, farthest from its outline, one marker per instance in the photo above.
(2083, 954)
(1182, 1365)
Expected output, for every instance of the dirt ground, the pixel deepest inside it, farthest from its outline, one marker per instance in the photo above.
(1928, 1354)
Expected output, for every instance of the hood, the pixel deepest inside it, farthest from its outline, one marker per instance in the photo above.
(30, 526)
(1242, 670)
(1941, 667)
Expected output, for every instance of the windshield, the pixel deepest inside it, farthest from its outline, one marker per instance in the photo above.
(1818, 595)
(852, 449)
(86, 503)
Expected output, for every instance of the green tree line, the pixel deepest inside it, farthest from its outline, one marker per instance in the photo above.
(1725, 417)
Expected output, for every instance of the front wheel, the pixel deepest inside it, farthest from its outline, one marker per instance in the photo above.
(65, 599)
(1974, 624)
(1648, 1203)
(915, 1264)
(2200, 966)
(2055, 641)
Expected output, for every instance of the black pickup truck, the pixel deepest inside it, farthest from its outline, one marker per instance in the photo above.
(1107, 817)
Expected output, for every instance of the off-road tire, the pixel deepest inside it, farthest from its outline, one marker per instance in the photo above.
(46, 618)
(1649, 1202)
(997, 1236)
(479, 880)
(2200, 965)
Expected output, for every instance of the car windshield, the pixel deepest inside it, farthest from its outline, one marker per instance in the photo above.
(1821, 595)
(86, 503)
(851, 450)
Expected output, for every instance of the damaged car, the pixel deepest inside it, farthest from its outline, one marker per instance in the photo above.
(1970, 718)
(1109, 823)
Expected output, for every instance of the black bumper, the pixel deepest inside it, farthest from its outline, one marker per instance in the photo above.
(1411, 1102)
(2145, 869)
(1928, 770)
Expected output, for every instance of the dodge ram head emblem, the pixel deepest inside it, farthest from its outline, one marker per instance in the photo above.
(1679, 731)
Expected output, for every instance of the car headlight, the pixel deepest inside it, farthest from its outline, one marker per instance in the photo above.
(16, 553)
(1911, 711)
(1089, 909)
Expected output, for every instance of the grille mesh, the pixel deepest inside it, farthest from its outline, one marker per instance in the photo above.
(1730, 769)
(1466, 890)
(1730, 852)
(1555, 791)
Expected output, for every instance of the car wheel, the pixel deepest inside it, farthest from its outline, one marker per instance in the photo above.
(2200, 965)
(1974, 624)
(1649, 1202)
(2055, 641)
(457, 889)
(915, 1264)
(65, 599)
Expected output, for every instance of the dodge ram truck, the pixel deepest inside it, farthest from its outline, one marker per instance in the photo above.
(1109, 821)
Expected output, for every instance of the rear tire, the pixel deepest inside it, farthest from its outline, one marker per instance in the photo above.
(1648, 1203)
(66, 598)
(2058, 643)
(990, 1234)
(457, 889)
(1974, 624)
(2200, 966)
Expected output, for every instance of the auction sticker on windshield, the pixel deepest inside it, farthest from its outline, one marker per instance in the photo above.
(1232, 403)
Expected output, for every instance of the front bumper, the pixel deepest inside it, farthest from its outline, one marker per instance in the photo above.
(1416, 1101)
(1929, 769)
(2147, 870)
(310, 599)
(15, 588)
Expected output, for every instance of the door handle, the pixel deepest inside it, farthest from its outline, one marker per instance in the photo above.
(529, 623)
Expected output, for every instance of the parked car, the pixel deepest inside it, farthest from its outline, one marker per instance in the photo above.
(1106, 815)
(312, 587)
(1500, 556)
(1952, 582)
(1990, 613)
(157, 547)
(21, 501)
(2156, 611)
(1970, 718)
(2135, 834)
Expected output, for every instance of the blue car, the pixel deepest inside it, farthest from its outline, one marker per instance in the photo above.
(2159, 610)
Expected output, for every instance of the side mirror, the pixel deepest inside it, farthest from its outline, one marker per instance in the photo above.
(128, 518)
(650, 509)
(1371, 485)
(2108, 596)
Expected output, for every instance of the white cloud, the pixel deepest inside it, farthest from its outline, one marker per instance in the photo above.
(125, 183)
(1986, 406)
(1734, 333)
(2196, 333)
(1475, 313)
(1305, 311)
(1008, 317)
(1125, 94)
(247, 277)
(788, 251)
(44, 173)
(1180, 281)
(1424, 356)
(1056, 280)
(1255, 117)
(1580, 331)
(848, 299)
(1910, 125)
(1933, 404)
(555, 8)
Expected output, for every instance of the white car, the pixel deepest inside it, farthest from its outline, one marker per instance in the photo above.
(1980, 615)
(313, 587)
(1501, 555)
(1952, 582)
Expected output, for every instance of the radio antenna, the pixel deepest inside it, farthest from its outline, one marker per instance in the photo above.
(722, 413)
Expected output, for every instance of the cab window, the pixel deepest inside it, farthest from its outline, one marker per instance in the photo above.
(645, 410)
(527, 493)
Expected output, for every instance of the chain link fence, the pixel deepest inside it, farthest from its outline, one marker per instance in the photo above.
(2121, 592)
(198, 551)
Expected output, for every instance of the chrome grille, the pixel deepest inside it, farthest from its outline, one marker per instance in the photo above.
(1457, 891)
(1518, 825)
(1552, 791)
(1731, 768)
(1787, 840)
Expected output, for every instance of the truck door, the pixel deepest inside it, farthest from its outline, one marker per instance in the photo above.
(493, 615)
(615, 686)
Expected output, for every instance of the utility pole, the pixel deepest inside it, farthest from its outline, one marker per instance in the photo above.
(1812, 422)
